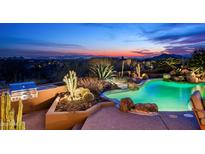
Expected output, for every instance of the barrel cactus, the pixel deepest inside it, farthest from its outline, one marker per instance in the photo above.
(88, 97)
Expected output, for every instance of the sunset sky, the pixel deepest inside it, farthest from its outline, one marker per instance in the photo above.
(138, 40)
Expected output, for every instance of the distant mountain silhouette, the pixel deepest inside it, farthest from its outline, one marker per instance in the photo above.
(79, 56)
(164, 56)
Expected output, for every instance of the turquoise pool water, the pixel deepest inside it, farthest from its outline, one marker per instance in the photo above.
(169, 96)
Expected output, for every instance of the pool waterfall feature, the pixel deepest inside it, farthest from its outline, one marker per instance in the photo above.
(168, 95)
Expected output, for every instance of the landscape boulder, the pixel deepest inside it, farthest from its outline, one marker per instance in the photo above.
(132, 86)
(126, 104)
(173, 72)
(185, 71)
(148, 107)
(191, 77)
(181, 78)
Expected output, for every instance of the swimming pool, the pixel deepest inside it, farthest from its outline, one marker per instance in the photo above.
(168, 95)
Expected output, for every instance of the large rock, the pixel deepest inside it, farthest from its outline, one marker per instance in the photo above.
(176, 78)
(132, 86)
(148, 107)
(185, 71)
(181, 78)
(191, 77)
(173, 72)
(126, 104)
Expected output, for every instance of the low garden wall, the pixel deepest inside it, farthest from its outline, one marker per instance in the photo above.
(66, 120)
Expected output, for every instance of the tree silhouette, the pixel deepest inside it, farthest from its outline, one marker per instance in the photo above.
(198, 59)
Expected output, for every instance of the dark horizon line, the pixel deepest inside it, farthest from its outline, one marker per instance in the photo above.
(90, 56)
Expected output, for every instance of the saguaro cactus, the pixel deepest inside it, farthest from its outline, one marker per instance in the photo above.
(8, 114)
(19, 123)
(71, 83)
(2, 111)
(138, 70)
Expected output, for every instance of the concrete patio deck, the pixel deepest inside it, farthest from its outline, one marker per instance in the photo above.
(111, 118)
(35, 120)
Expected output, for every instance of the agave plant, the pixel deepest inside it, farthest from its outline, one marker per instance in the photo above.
(102, 71)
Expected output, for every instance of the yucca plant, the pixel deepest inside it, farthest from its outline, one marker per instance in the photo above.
(102, 71)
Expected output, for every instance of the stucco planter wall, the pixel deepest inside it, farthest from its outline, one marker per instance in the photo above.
(66, 120)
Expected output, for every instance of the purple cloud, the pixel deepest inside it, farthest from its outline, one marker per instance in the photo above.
(145, 52)
(200, 38)
(6, 52)
(39, 43)
(183, 49)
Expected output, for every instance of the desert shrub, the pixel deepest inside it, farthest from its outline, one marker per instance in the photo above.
(145, 76)
(198, 59)
(102, 61)
(181, 78)
(77, 105)
(95, 85)
(84, 99)
(166, 77)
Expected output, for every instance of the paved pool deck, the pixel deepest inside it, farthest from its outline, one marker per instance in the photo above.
(111, 118)
(35, 120)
